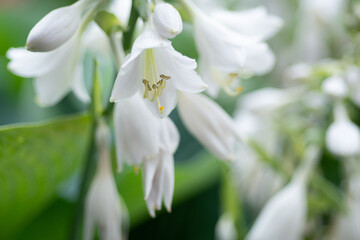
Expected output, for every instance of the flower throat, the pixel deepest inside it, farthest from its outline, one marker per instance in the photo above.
(154, 83)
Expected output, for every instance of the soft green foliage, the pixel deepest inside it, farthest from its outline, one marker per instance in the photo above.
(34, 160)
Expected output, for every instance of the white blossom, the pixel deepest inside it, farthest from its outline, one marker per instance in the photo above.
(210, 124)
(335, 86)
(225, 228)
(156, 70)
(103, 204)
(230, 44)
(143, 139)
(284, 215)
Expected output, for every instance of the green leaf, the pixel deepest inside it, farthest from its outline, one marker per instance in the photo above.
(34, 160)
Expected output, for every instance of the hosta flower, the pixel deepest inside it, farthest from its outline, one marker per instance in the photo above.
(156, 70)
(56, 72)
(335, 86)
(167, 20)
(57, 66)
(143, 139)
(103, 204)
(343, 136)
(225, 228)
(230, 43)
(284, 215)
(210, 124)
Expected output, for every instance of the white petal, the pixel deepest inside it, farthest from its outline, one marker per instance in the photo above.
(55, 28)
(259, 59)
(254, 22)
(150, 166)
(78, 84)
(343, 138)
(335, 86)
(283, 216)
(209, 123)
(167, 20)
(169, 180)
(137, 131)
(169, 136)
(180, 68)
(128, 81)
(206, 72)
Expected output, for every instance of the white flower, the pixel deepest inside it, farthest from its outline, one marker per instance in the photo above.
(103, 204)
(57, 27)
(352, 77)
(57, 66)
(156, 71)
(209, 123)
(343, 136)
(142, 138)
(284, 215)
(56, 72)
(225, 228)
(231, 43)
(167, 20)
(335, 86)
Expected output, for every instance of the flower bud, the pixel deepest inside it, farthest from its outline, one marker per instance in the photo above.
(54, 29)
(167, 20)
(335, 86)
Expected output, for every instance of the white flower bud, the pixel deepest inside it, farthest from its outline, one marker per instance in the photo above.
(225, 228)
(343, 138)
(335, 86)
(167, 20)
(54, 29)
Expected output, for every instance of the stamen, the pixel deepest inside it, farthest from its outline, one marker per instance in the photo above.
(165, 77)
(226, 81)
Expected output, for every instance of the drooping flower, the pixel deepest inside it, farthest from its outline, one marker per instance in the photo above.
(210, 124)
(343, 136)
(143, 139)
(167, 20)
(284, 215)
(104, 206)
(225, 228)
(231, 44)
(57, 66)
(156, 70)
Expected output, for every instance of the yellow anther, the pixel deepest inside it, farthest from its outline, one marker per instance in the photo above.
(239, 89)
(161, 109)
(165, 77)
(136, 169)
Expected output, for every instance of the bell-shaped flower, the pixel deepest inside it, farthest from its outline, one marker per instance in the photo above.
(284, 215)
(210, 124)
(56, 72)
(156, 71)
(230, 45)
(167, 20)
(343, 136)
(104, 206)
(142, 138)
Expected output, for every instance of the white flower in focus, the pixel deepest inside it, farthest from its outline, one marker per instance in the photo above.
(56, 72)
(335, 86)
(210, 124)
(284, 215)
(167, 20)
(57, 27)
(343, 136)
(230, 45)
(156, 70)
(103, 204)
(142, 138)
(225, 228)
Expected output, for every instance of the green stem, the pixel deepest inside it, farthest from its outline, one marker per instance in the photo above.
(85, 183)
(128, 34)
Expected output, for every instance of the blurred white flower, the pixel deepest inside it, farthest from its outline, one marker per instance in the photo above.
(210, 124)
(56, 72)
(335, 86)
(225, 228)
(167, 20)
(343, 136)
(352, 77)
(58, 26)
(230, 43)
(142, 138)
(284, 215)
(297, 71)
(103, 204)
(156, 70)
(57, 66)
